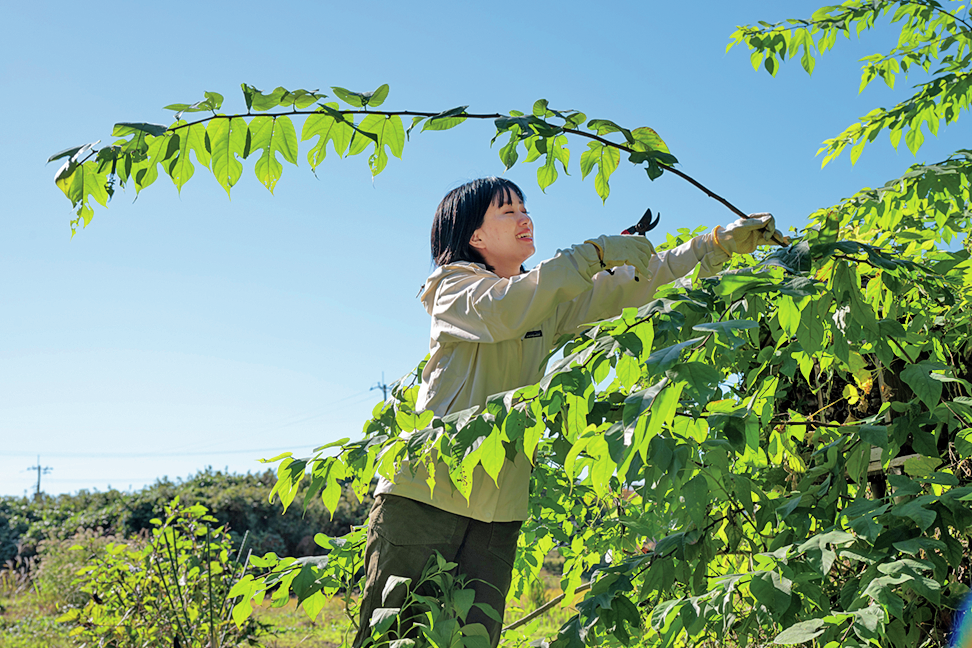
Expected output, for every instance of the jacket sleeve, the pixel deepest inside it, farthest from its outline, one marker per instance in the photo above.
(611, 294)
(480, 307)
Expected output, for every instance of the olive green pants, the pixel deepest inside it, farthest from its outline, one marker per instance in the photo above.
(403, 535)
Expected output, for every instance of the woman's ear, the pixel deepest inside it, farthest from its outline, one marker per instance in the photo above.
(476, 240)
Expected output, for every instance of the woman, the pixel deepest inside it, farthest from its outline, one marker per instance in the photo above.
(493, 323)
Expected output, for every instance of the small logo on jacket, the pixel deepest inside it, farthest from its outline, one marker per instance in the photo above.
(533, 334)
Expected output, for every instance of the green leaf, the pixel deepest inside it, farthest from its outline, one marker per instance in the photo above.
(606, 127)
(727, 330)
(789, 315)
(917, 376)
(664, 359)
(362, 99)
(914, 511)
(697, 497)
(80, 185)
(257, 100)
(547, 173)
(74, 152)
(876, 435)
(493, 455)
(528, 125)
(646, 139)
(801, 632)
(508, 154)
(212, 102)
(227, 139)
(640, 401)
(329, 127)
(388, 132)
(383, 618)
(377, 97)
(772, 591)
(446, 119)
(606, 159)
(922, 466)
(122, 129)
(393, 583)
(628, 370)
(272, 135)
(158, 150)
(810, 331)
(701, 379)
(191, 138)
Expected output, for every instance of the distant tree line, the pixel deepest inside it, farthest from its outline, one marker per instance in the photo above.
(238, 501)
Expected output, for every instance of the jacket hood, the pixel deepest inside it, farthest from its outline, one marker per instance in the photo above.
(427, 293)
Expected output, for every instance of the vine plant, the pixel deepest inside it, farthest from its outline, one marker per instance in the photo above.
(778, 454)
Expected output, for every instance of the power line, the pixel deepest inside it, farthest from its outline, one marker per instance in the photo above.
(41, 470)
(382, 386)
(307, 415)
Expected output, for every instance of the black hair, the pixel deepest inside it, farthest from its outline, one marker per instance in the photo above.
(461, 213)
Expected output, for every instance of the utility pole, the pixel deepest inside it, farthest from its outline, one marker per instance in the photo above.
(382, 386)
(41, 470)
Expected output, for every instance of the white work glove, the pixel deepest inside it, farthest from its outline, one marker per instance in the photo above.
(621, 249)
(745, 234)
(740, 237)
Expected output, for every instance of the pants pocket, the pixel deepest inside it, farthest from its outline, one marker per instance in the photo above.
(404, 522)
(502, 541)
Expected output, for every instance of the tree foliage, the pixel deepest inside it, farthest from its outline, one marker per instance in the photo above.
(777, 454)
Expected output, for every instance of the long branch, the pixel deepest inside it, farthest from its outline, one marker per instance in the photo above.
(413, 113)
(546, 606)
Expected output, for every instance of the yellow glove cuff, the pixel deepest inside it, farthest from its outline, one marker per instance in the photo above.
(717, 242)
(600, 253)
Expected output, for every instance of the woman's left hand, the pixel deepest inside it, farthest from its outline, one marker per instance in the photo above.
(744, 235)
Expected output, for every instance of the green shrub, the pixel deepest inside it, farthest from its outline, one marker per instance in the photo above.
(58, 563)
(171, 591)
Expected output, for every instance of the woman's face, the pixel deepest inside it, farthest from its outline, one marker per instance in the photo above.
(505, 239)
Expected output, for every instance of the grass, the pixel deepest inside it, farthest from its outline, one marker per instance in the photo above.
(27, 620)
(291, 627)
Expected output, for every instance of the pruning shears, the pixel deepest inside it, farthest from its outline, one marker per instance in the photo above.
(643, 226)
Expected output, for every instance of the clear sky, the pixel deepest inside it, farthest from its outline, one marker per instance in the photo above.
(183, 331)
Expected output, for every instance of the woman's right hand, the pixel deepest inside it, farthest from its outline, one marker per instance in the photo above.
(618, 250)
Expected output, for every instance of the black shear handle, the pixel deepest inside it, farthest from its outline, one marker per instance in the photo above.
(646, 224)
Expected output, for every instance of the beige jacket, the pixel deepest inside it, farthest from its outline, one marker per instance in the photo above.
(490, 334)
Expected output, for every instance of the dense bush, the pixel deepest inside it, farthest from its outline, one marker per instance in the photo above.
(238, 502)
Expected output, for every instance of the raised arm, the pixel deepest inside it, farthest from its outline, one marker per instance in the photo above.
(610, 294)
(471, 304)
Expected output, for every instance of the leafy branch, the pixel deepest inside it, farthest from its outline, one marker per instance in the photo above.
(219, 141)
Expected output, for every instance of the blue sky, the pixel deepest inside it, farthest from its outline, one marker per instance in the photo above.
(182, 331)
